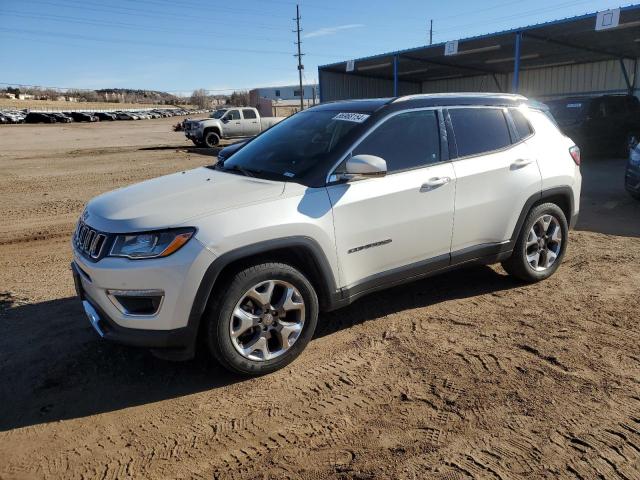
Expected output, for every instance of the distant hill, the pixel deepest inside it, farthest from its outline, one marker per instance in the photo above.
(152, 95)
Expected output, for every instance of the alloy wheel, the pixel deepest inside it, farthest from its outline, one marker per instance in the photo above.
(267, 320)
(544, 243)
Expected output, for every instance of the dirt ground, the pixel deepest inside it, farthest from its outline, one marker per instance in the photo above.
(466, 375)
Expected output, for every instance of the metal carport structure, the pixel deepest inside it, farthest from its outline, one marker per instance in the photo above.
(561, 57)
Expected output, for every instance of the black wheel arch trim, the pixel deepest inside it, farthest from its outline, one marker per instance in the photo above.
(564, 191)
(208, 282)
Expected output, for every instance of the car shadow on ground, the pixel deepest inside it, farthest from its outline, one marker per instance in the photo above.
(454, 285)
(61, 370)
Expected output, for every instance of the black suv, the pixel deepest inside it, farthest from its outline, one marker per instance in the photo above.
(599, 125)
(632, 174)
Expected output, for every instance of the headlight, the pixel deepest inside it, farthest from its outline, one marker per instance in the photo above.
(150, 244)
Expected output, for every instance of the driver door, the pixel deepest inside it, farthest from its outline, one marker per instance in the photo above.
(399, 224)
(233, 124)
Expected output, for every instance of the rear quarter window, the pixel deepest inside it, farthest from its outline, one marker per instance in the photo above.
(523, 127)
(479, 130)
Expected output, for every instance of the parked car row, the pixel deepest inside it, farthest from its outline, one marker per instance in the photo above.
(24, 116)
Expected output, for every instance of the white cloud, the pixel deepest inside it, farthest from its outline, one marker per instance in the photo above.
(322, 32)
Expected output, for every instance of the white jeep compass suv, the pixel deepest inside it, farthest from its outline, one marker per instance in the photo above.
(331, 204)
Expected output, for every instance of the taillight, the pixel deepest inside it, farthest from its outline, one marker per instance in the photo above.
(575, 154)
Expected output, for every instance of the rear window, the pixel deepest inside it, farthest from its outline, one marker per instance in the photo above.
(566, 111)
(248, 113)
(523, 127)
(479, 130)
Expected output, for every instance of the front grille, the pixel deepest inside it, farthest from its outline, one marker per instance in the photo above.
(89, 241)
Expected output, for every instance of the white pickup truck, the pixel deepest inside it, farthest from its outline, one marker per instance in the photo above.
(227, 123)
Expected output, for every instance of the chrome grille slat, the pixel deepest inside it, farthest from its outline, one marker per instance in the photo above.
(89, 241)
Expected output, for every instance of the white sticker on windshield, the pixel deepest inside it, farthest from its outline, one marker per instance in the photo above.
(351, 117)
(289, 174)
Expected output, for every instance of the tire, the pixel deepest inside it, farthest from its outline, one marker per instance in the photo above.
(523, 264)
(228, 334)
(211, 139)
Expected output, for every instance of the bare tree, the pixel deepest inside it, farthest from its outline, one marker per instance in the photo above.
(199, 97)
(239, 99)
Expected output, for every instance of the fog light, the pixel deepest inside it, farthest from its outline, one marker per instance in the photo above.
(137, 302)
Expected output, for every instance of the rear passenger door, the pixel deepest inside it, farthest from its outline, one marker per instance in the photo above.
(496, 173)
(250, 124)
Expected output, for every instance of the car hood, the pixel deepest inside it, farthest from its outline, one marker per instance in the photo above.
(174, 200)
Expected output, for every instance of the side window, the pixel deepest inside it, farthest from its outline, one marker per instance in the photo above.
(233, 115)
(407, 140)
(523, 127)
(248, 114)
(479, 130)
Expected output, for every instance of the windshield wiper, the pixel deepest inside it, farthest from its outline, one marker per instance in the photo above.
(247, 172)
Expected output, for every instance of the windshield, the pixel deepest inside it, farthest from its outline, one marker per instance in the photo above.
(218, 113)
(295, 145)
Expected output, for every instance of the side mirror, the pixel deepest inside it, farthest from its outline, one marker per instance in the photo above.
(364, 166)
(225, 119)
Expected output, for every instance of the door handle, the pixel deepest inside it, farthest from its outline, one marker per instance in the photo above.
(434, 182)
(521, 162)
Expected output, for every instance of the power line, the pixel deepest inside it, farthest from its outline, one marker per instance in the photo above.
(74, 36)
(143, 13)
(137, 27)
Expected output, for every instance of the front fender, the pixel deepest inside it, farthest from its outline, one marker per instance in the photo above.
(209, 124)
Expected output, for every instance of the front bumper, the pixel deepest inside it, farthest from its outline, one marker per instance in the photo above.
(107, 328)
(194, 134)
(178, 276)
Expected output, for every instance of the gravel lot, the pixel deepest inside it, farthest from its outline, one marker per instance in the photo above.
(466, 375)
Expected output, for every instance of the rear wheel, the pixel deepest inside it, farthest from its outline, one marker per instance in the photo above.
(541, 244)
(263, 319)
(211, 139)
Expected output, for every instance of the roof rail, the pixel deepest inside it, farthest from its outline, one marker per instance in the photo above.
(419, 96)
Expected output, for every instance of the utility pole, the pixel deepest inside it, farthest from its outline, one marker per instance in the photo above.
(431, 33)
(299, 55)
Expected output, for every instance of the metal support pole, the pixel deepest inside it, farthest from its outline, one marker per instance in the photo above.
(319, 85)
(495, 79)
(516, 65)
(395, 75)
(626, 76)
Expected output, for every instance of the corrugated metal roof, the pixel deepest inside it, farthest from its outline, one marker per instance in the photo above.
(565, 41)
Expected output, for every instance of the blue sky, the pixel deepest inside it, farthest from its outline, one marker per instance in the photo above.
(180, 45)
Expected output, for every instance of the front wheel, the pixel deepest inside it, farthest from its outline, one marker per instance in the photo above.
(263, 319)
(211, 139)
(541, 244)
